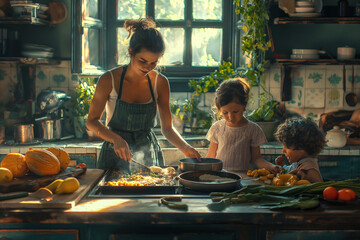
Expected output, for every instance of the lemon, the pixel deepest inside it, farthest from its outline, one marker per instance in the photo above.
(69, 185)
(52, 186)
(5, 175)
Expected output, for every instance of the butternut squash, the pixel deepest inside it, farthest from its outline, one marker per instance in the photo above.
(62, 155)
(42, 162)
(15, 162)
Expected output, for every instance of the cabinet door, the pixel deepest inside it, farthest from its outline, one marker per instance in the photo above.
(184, 236)
(39, 234)
(335, 167)
(316, 234)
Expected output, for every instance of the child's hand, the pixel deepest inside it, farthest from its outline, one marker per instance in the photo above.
(280, 160)
(275, 169)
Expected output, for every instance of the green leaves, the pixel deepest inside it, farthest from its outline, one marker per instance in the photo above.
(84, 94)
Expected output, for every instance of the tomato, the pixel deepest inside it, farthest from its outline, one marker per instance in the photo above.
(350, 191)
(344, 196)
(81, 165)
(330, 193)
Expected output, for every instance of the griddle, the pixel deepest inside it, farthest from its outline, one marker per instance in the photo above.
(112, 174)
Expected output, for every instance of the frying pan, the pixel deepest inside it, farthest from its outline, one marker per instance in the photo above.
(191, 181)
(206, 164)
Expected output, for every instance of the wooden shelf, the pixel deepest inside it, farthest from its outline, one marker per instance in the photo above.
(317, 20)
(317, 62)
(25, 60)
(28, 20)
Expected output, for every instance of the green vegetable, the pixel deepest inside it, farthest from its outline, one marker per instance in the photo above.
(167, 201)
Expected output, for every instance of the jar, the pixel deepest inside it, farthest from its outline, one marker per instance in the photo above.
(336, 138)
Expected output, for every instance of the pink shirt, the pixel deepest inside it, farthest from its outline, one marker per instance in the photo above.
(234, 143)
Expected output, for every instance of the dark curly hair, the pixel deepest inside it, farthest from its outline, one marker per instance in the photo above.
(301, 134)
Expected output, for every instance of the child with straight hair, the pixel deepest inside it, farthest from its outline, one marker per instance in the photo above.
(233, 138)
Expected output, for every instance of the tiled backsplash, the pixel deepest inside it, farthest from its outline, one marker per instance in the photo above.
(315, 89)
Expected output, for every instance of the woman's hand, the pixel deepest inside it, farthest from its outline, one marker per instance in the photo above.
(122, 150)
(190, 152)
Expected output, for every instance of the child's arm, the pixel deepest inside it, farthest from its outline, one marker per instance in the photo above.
(259, 162)
(212, 150)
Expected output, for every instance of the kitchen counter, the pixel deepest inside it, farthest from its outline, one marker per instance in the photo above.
(143, 218)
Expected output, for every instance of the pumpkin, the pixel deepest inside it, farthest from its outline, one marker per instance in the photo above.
(15, 162)
(63, 156)
(42, 162)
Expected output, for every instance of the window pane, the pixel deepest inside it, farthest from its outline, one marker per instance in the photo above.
(169, 10)
(91, 8)
(174, 44)
(207, 9)
(133, 9)
(206, 46)
(122, 46)
(90, 47)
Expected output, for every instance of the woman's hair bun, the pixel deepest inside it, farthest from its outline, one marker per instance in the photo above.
(133, 25)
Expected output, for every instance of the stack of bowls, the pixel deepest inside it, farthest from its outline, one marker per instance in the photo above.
(305, 54)
(309, 8)
(304, 7)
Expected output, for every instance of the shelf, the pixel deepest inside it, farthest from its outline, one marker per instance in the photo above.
(317, 62)
(28, 20)
(24, 60)
(317, 20)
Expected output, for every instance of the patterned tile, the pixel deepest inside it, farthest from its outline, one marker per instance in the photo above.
(314, 98)
(254, 99)
(275, 76)
(334, 98)
(42, 77)
(334, 78)
(209, 98)
(313, 113)
(297, 100)
(315, 78)
(276, 93)
(298, 78)
(59, 78)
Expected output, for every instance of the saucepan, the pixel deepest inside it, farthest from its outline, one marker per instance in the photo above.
(206, 164)
(218, 181)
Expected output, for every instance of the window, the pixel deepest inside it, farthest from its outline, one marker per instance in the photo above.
(199, 34)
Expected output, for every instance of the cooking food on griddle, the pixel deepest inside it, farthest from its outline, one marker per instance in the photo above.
(165, 178)
(213, 178)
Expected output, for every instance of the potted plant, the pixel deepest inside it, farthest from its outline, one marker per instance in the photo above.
(254, 45)
(195, 120)
(84, 92)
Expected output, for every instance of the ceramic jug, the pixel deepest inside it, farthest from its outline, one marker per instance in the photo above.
(336, 137)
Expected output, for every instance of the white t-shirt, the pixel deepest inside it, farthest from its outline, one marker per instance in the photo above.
(234, 143)
(110, 104)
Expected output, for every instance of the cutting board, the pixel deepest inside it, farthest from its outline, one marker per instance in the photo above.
(31, 183)
(59, 201)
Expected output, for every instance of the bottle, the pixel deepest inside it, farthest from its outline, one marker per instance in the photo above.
(357, 8)
(343, 8)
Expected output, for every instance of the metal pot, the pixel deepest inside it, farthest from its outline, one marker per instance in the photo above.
(191, 181)
(24, 133)
(51, 129)
(206, 164)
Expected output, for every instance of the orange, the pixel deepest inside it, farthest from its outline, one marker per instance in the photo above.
(330, 193)
(349, 191)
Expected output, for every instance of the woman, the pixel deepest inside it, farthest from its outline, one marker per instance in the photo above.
(131, 94)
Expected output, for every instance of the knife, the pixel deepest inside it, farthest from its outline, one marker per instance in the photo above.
(8, 196)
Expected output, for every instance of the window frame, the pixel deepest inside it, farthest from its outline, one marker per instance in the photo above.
(179, 75)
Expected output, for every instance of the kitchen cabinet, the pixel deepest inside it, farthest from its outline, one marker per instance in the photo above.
(39, 234)
(310, 234)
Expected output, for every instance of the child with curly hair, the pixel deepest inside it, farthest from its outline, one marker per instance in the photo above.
(234, 139)
(302, 141)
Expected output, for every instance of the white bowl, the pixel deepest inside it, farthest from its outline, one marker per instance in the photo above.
(346, 53)
(304, 56)
(305, 51)
(304, 9)
(304, 4)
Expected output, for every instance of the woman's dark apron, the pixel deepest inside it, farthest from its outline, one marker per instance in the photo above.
(134, 123)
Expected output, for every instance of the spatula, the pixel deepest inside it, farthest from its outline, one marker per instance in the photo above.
(133, 160)
(154, 169)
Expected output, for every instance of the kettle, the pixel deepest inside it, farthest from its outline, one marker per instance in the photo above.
(336, 138)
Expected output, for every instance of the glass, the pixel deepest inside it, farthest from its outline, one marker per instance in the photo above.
(206, 46)
(174, 46)
(122, 46)
(207, 9)
(133, 9)
(169, 10)
(91, 8)
(91, 47)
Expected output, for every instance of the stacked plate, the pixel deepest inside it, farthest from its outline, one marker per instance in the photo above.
(305, 54)
(37, 51)
(310, 8)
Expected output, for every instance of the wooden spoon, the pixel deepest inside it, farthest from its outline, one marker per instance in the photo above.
(351, 98)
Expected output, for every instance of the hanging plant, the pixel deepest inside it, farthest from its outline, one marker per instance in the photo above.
(254, 18)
